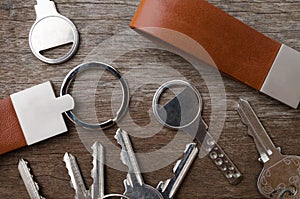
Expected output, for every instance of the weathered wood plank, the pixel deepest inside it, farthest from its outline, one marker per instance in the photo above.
(97, 21)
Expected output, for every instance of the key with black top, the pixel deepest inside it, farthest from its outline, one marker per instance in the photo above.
(183, 112)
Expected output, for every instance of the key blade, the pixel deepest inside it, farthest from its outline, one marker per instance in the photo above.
(263, 142)
(97, 173)
(248, 116)
(31, 186)
(242, 114)
(128, 158)
(76, 179)
(169, 187)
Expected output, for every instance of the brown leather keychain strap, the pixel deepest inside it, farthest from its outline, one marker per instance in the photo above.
(237, 49)
(11, 135)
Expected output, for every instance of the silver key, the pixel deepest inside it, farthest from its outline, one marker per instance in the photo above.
(77, 182)
(264, 144)
(97, 173)
(169, 187)
(51, 30)
(183, 112)
(97, 188)
(280, 174)
(31, 186)
(135, 188)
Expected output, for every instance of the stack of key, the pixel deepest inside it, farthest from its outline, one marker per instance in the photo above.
(96, 190)
(280, 176)
(135, 188)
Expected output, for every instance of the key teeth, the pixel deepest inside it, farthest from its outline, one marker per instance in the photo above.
(188, 149)
(119, 138)
(67, 158)
(25, 165)
(98, 155)
(97, 149)
(169, 187)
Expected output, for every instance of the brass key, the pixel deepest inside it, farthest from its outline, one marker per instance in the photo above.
(280, 176)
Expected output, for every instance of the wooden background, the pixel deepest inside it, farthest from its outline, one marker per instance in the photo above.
(97, 21)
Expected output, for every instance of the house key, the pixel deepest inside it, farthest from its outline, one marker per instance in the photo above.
(96, 190)
(280, 174)
(183, 112)
(135, 187)
(52, 30)
(32, 187)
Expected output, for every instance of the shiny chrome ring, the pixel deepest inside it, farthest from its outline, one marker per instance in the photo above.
(163, 88)
(96, 65)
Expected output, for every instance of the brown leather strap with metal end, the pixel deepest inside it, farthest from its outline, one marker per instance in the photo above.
(235, 48)
(11, 135)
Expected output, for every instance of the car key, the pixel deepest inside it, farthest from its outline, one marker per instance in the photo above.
(31, 186)
(280, 172)
(169, 187)
(135, 188)
(183, 112)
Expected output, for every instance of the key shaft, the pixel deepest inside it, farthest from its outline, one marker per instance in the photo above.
(31, 186)
(264, 144)
(75, 175)
(97, 173)
(134, 176)
(169, 187)
(135, 188)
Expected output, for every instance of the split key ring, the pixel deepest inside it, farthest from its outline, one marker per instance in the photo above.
(96, 65)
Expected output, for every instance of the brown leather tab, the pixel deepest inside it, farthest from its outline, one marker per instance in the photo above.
(235, 48)
(11, 135)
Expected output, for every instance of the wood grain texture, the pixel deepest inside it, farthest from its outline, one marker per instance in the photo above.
(97, 22)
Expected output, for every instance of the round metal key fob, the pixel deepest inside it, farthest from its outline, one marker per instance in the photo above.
(52, 30)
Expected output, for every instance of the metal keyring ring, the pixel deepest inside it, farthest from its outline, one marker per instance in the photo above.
(114, 195)
(98, 65)
(159, 92)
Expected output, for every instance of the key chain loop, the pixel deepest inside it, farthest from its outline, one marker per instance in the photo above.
(96, 65)
(162, 89)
